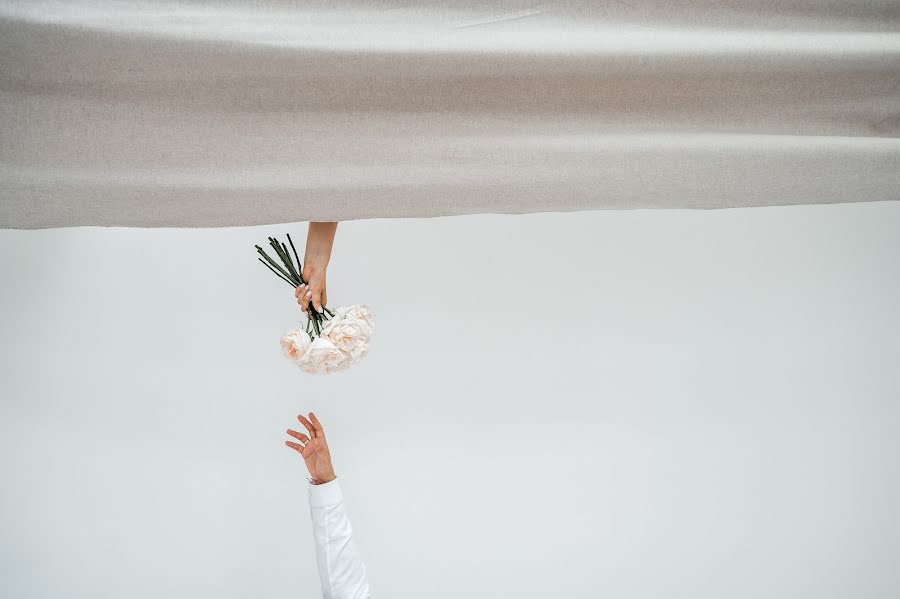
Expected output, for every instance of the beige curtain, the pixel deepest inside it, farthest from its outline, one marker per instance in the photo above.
(205, 114)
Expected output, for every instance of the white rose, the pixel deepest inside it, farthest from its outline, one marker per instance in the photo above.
(365, 315)
(294, 344)
(323, 356)
(361, 313)
(348, 334)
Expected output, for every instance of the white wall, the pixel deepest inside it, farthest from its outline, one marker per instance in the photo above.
(609, 404)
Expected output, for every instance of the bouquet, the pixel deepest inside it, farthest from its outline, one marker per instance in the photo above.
(331, 340)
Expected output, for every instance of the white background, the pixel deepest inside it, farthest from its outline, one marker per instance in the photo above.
(608, 404)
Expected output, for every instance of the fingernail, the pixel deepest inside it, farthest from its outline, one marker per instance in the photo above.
(309, 294)
(319, 309)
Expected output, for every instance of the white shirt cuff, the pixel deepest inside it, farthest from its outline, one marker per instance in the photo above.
(325, 494)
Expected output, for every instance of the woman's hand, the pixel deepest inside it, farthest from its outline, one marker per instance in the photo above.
(319, 241)
(314, 449)
(313, 292)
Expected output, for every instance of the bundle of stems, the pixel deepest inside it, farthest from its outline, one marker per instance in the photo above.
(289, 272)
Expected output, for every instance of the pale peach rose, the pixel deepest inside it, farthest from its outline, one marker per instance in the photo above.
(342, 311)
(363, 314)
(348, 334)
(294, 344)
(323, 356)
(344, 341)
(306, 366)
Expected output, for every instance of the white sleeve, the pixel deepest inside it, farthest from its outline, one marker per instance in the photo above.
(341, 568)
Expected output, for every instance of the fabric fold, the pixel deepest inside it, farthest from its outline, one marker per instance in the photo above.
(202, 114)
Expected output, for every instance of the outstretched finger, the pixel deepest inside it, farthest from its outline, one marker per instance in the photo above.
(303, 438)
(308, 425)
(295, 446)
(320, 432)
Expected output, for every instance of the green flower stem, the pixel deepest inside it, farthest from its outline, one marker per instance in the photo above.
(315, 323)
(289, 263)
(277, 247)
(278, 268)
(280, 276)
(299, 265)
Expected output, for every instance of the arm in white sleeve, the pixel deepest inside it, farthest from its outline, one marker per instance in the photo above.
(341, 568)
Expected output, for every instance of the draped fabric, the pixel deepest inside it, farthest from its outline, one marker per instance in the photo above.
(205, 114)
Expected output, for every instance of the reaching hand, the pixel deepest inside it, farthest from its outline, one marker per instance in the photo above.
(314, 449)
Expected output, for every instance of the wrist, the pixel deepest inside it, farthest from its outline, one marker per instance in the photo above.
(314, 265)
(325, 495)
(322, 480)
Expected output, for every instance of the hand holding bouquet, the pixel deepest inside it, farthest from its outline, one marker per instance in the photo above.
(331, 340)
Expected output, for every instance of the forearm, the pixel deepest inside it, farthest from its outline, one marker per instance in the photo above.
(319, 241)
(341, 568)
